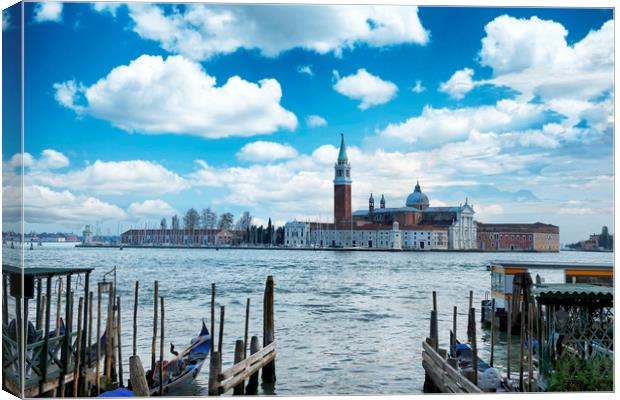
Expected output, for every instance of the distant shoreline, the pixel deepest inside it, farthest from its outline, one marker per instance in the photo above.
(362, 249)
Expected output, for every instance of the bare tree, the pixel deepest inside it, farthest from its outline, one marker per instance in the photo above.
(208, 218)
(244, 222)
(226, 221)
(191, 219)
(175, 222)
(163, 224)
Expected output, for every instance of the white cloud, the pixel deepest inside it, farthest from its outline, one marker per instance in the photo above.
(151, 208)
(584, 210)
(533, 57)
(261, 151)
(67, 94)
(46, 206)
(459, 84)
(104, 7)
(202, 31)
(315, 121)
(114, 178)
(153, 95)
(440, 125)
(418, 88)
(488, 210)
(369, 89)
(48, 11)
(305, 69)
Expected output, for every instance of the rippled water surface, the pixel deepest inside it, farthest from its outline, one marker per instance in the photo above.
(346, 322)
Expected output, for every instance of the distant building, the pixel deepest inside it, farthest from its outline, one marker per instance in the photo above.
(181, 237)
(518, 237)
(87, 235)
(416, 226)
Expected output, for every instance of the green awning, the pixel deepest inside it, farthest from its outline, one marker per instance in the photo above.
(554, 292)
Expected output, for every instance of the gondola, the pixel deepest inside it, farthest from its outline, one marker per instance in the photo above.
(179, 373)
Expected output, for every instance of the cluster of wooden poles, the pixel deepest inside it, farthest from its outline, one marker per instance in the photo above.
(527, 313)
(219, 381)
(244, 367)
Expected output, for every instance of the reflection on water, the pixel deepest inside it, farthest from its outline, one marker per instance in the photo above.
(346, 322)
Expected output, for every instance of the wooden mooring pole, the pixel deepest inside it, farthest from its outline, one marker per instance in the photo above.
(97, 362)
(76, 369)
(247, 326)
(58, 306)
(212, 317)
(269, 370)
(252, 386)
(474, 345)
(454, 320)
(215, 367)
(139, 385)
(135, 321)
(239, 349)
(161, 351)
(530, 346)
(221, 335)
(492, 331)
(521, 344)
(155, 321)
(119, 344)
(508, 338)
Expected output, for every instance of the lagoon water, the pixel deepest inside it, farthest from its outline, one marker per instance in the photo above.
(346, 322)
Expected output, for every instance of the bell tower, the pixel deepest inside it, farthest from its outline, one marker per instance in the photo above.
(342, 186)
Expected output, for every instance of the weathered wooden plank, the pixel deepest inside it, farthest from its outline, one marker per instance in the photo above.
(250, 370)
(435, 362)
(235, 369)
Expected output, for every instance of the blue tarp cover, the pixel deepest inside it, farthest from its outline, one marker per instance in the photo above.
(120, 392)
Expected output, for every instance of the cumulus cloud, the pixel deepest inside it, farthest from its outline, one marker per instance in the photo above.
(418, 88)
(151, 208)
(261, 151)
(48, 11)
(305, 69)
(533, 57)
(440, 125)
(369, 89)
(114, 178)
(46, 206)
(153, 95)
(315, 121)
(459, 84)
(202, 31)
(109, 8)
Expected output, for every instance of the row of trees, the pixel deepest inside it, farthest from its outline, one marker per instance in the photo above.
(208, 219)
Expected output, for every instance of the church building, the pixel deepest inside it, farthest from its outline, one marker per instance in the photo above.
(414, 226)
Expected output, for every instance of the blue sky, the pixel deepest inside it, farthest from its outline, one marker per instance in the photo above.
(512, 108)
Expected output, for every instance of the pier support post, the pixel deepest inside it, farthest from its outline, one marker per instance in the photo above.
(239, 349)
(161, 351)
(212, 317)
(120, 346)
(247, 326)
(269, 370)
(252, 387)
(508, 338)
(433, 331)
(221, 335)
(453, 344)
(78, 360)
(215, 367)
(98, 338)
(521, 347)
(137, 377)
(135, 320)
(154, 338)
(492, 331)
(474, 345)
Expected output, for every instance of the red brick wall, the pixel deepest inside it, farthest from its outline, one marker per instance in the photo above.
(342, 203)
(505, 241)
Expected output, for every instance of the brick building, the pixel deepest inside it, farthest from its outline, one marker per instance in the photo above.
(518, 237)
(181, 237)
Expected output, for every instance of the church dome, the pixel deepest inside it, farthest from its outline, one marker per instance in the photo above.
(417, 199)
